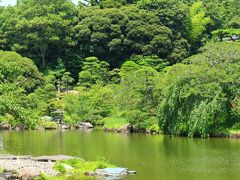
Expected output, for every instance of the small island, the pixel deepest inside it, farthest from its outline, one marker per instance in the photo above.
(61, 166)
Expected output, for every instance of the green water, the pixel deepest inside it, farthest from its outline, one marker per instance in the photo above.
(153, 157)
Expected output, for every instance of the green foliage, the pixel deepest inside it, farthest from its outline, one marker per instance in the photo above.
(60, 168)
(223, 13)
(114, 122)
(152, 61)
(136, 87)
(81, 167)
(102, 104)
(47, 124)
(139, 41)
(42, 177)
(116, 34)
(19, 71)
(94, 72)
(197, 98)
(33, 28)
(171, 13)
(67, 80)
(223, 33)
(112, 3)
(112, 30)
(137, 118)
(89, 105)
(199, 20)
(154, 128)
(19, 78)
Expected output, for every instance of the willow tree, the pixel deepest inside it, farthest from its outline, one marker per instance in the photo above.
(201, 97)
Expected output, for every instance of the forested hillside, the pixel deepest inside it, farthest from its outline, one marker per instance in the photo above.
(169, 66)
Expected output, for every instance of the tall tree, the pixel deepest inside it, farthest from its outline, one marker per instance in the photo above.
(171, 13)
(41, 28)
(94, 72)
(199, 20)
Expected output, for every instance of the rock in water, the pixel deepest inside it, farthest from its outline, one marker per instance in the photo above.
(65, 126)
(86, 125)
(114, 173)
(126, 128)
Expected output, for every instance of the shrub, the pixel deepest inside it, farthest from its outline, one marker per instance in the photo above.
(47, 124)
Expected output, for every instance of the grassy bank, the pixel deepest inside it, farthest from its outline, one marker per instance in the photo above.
(114, 122)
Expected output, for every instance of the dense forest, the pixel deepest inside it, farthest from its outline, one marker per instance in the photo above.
(169, 66)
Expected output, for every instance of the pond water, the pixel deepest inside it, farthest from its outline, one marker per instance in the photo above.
(153, 157)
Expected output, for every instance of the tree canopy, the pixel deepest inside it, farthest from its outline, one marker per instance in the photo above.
(159, 65)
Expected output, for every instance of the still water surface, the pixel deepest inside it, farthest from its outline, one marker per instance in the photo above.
(153, 157)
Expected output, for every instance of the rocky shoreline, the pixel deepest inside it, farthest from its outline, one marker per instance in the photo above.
(29, 167)
(86, 126)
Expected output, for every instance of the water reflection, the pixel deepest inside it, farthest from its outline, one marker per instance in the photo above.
(153, 157)
(1, 143)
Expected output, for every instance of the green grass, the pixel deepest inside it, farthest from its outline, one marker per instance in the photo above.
(114, 122)
(60, 168)
(81, 167)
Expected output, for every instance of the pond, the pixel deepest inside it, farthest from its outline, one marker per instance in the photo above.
(153, 157)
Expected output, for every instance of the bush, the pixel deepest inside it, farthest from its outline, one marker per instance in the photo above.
(137, 118)
(47, 124)
(90, 105)
(154, 128)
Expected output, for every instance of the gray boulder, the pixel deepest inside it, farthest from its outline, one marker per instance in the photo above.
(19, 128)
(114, 173)
(85, 125)
(126, 128)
